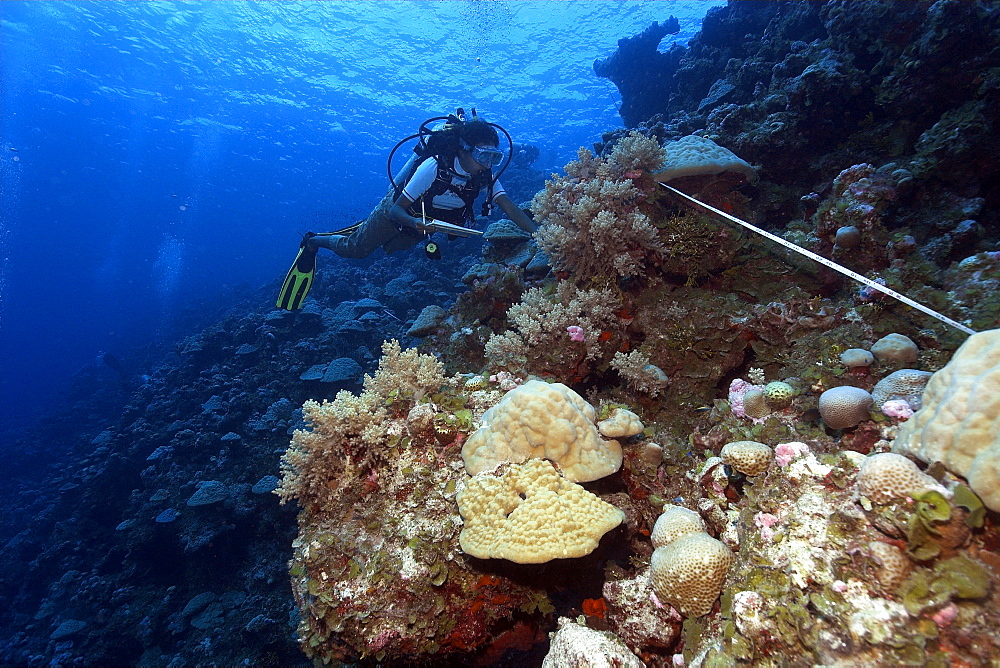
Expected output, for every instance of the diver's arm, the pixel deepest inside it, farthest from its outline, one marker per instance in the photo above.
(403, 220)
(515, 214)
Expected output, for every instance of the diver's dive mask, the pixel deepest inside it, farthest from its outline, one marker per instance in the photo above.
(487, 156)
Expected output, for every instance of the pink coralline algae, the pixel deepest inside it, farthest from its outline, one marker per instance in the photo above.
(576, 333)
(784, 453)
(898, 409)
(737, 390)
(765, 522)
(867, 293)
(946, 615)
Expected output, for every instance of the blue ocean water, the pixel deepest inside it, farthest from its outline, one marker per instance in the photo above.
(158, 158)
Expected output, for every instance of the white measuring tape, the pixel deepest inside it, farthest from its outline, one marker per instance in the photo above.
(826, 263)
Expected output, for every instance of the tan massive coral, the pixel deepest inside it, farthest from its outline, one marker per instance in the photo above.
(543, 420)
(697, 156)
(959, 423)
(531, 515)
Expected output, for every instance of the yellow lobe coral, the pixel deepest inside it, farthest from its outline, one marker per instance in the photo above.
(531, 515)
(542, 420)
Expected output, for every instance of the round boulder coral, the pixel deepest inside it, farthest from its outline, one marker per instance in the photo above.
(894, 566)
(779, 394)
(895, 348)
(844, 407)
(674, 522)
(887, 477)
(688, 572)
(747, 457)
(620, 424)
(755, 404)
(856, 357)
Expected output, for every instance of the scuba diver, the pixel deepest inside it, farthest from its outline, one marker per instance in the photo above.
(435, 191)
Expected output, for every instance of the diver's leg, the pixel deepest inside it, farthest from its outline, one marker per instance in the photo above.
(375, 231)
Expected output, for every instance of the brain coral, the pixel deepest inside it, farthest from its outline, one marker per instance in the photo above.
(905, 384)
(531, 515)
(959, 423)
(543, 420)
(895, 348)
(688, 572)
(779, 394)
(674, 522)
(747, 457)
(755, 404)
(844, 407)
(886, 477)
(894, 566)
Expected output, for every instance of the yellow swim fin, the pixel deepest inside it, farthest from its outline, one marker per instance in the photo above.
(299, 279)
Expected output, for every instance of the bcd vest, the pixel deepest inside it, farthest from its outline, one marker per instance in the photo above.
(466, 188)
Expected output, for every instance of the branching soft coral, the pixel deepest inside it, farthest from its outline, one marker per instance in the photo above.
(639, 373)
(405, 371)
(542, 341)
(347, 436)
(591, 225)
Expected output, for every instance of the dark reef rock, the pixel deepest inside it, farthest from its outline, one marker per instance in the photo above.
(642, 73)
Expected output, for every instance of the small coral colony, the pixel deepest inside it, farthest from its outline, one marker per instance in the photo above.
(674, 449)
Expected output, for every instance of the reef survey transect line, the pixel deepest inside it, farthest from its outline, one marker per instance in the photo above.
(826, 262)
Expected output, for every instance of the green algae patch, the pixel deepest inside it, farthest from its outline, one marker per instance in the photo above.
(966, 498)
(960, 577)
